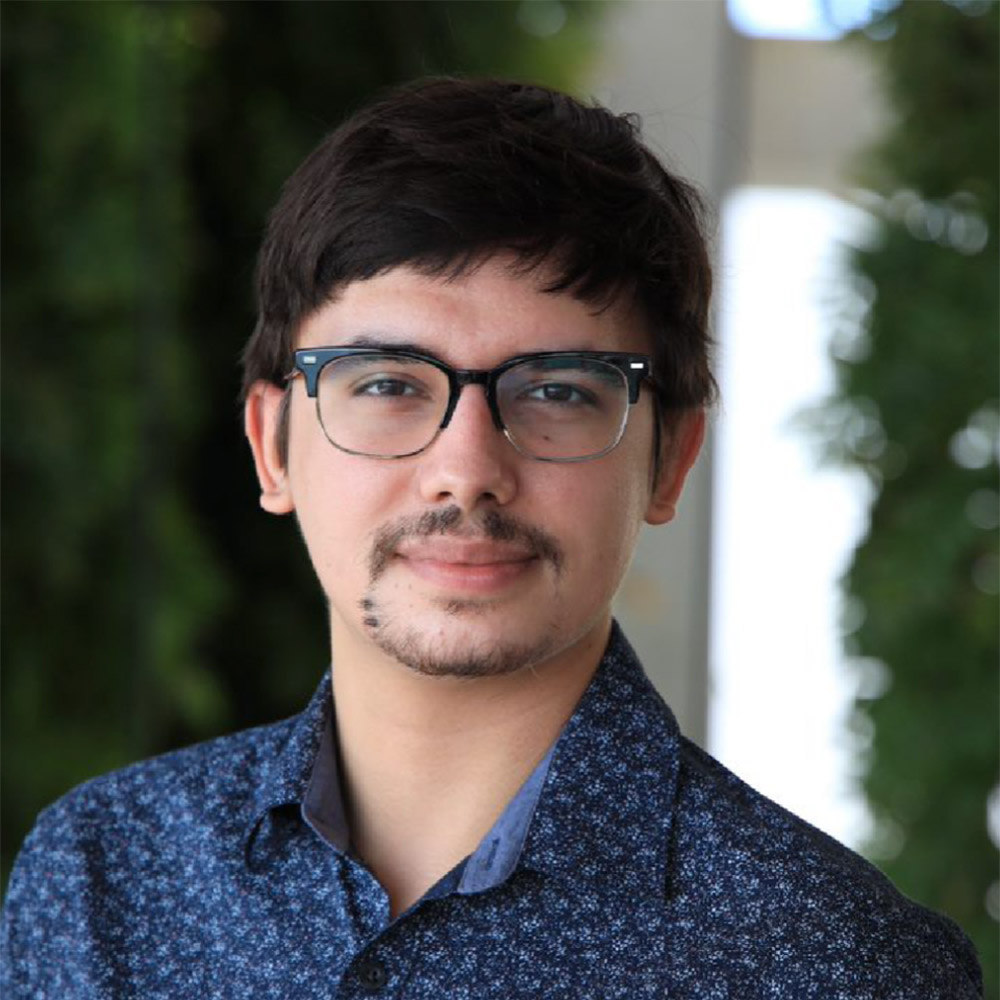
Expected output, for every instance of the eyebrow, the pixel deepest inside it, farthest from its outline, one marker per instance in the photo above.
(379, 343)
(386, 342)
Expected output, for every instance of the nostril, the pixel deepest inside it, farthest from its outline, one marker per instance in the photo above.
(468, 473)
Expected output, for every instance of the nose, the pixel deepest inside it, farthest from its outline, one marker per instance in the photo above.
(470, 461)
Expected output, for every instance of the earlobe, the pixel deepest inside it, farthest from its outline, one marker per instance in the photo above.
(679, 450)
(262, 418)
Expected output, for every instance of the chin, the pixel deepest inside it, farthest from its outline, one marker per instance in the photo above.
(463, 637)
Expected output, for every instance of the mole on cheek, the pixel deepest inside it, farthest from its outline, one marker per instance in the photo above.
(370, 619)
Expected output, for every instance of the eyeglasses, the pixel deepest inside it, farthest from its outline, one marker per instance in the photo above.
(555, 406)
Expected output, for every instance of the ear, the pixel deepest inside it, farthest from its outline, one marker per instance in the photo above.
(261, 423)
(678, 450)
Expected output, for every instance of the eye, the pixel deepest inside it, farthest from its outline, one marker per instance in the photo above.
(559, 392)
(386, 387)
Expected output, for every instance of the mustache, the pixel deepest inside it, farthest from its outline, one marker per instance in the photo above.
(493, 525)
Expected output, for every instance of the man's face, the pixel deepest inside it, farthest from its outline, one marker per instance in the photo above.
(468, 558)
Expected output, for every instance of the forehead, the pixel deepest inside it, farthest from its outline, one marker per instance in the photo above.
(477, 319)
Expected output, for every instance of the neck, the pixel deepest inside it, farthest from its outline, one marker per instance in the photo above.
(429, 763)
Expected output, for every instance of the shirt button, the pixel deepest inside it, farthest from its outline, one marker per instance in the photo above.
(372, 976)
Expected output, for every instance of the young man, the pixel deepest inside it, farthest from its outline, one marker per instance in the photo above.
(480, 365)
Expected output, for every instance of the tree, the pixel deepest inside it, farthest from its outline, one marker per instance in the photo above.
(917, 409)
(146, 602)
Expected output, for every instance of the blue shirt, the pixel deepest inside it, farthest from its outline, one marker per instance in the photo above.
(631, 865)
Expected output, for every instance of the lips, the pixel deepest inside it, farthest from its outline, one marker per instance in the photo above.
(480, 567)
(464, 552)
(439, 546)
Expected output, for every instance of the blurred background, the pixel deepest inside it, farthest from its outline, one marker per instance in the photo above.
(823, 614)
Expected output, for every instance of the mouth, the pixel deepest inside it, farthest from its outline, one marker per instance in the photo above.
(471, 566)
(477, 558)
(464, 551)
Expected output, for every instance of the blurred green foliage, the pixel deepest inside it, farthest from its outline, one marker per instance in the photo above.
(147, 602)
(917, 410)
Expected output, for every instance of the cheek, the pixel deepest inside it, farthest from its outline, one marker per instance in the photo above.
(339, 503)
(600, 516)
(626, 507)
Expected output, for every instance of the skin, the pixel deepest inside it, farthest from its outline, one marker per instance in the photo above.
(459, 657)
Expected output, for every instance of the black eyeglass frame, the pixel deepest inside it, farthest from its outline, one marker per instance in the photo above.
(310, 362)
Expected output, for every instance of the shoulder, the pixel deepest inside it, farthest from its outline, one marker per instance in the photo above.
(121, 854)
(799, 901)
(122, 844)
(168, 793)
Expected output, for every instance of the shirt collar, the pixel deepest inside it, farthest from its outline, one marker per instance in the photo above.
(500, 850)
(323, 803)
(597, 809)
(305, 774)
(604, 817)
(285, 776)
(489, 865)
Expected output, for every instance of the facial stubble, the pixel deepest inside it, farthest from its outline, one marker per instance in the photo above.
(413, 647)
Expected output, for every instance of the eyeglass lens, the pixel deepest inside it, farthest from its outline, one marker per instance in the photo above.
(552, 408)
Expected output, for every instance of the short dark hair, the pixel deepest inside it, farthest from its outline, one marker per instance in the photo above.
(442, 173)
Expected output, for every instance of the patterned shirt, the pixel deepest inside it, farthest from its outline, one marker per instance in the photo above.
(630, 865)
